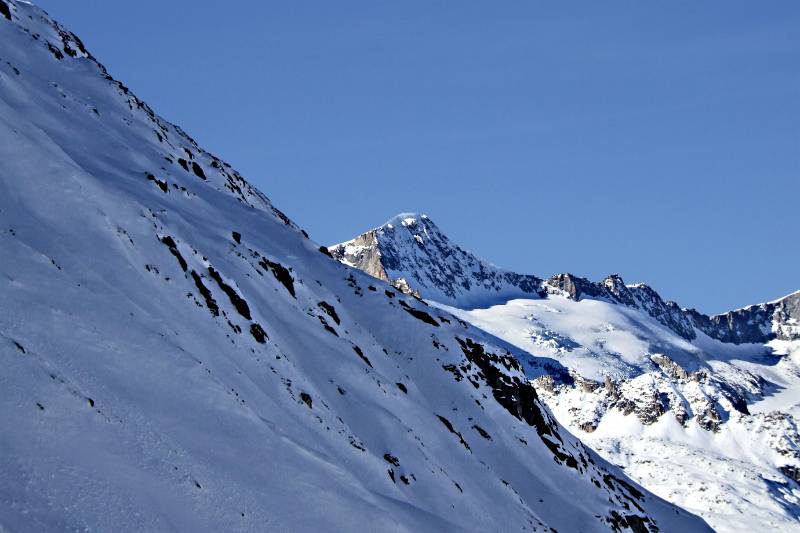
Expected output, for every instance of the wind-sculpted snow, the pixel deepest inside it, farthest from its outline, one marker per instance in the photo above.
(178, 355)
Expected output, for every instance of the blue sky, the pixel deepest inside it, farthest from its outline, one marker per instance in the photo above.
(660, 140)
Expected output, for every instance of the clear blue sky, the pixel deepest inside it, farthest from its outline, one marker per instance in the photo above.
(660, 140)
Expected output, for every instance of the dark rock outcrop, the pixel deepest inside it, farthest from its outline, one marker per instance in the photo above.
(754, 324)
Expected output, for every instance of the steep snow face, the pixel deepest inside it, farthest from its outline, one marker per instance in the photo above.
(701, 410)
(410, 247)
(177, 355)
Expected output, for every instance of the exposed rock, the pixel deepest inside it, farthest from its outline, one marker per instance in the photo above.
(709, 418)
(419, 314)
(402, 285)
(617, 288)
(545, 383)
(363, 252)
(586, 385)
(669, 367)
(410, 246)
(577, 288)
(792, 472)
(668, 313)
(754, 324)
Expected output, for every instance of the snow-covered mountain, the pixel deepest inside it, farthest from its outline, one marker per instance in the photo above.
(700, 409)
(410, 251)
(178, 355)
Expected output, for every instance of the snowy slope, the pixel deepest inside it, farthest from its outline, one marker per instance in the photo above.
(706, 424)
(178, 355)
(668, 410)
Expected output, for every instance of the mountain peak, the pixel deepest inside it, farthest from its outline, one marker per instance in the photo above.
(408, 219)
(416, 226)
(412, 248)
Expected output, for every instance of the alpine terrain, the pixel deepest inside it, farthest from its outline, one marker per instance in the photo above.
(178, 355)
(701, 410)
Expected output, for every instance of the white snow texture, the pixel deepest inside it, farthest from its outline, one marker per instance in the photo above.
(178, 356)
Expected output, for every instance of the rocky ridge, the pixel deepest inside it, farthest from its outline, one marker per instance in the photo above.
(410, 248)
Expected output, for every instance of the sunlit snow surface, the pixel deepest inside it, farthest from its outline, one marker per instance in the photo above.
(177, 356)
(730, 477)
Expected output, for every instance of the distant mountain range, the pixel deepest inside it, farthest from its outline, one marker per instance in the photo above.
(411, 250)
(700, 409)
